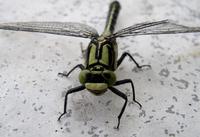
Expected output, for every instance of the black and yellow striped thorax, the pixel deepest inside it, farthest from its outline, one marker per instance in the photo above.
(101, 54)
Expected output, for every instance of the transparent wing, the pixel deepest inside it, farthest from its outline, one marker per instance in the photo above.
(58, 28)
(152, 28)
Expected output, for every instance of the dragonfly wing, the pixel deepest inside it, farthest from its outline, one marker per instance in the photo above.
(58, 28)
(152, 28)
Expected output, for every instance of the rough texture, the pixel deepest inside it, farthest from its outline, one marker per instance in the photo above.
(31, 93)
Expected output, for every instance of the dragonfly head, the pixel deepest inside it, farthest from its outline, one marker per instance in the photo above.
(97, 82)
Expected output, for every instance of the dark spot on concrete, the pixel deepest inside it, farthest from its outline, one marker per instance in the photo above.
(67, 124)
(169, 110)
(150, 117)
(177, 60)
(180, 67)
(136, 55)
(108, 102)
(168, 62)
(143, 113)
(162, 82)
(58, 54)
(40, 108)
(148, 121)
(153, 110)
(156, 46)
(92, 130)
(121, 68)
(63, 93)
(134, 135)
(68, 130)
(166, 131)
(95, 135)
(150, 98)
(124, 47)
(181, 126)
(56, 43)
(172, 135)
(77, 3)
(183, 115)
(82, 132)
(162, 118)
(184, 82)
(127, 89)
(33, 56)
(69, 63)
(35, 109)
(195, 98)
(24, 102)
(164, 72)
(15, 129)
(69, 113)
(174, 98)
(198, 70)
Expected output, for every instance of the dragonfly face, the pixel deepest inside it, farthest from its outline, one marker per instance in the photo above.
(97, 81)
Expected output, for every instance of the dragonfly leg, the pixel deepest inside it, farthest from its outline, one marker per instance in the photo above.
(119, 93)
(77, 66)
(73, 90)
(133, 90)
(128, 54)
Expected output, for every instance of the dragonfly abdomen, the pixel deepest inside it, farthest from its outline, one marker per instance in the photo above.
(111, 18)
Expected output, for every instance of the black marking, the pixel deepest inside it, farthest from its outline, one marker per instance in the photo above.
(95, 78)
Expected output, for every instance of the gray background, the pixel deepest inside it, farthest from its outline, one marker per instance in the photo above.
(32, 95)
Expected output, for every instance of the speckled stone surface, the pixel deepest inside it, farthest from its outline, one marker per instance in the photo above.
(32, 95)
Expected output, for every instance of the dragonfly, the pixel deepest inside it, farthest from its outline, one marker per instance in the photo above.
(97, 74)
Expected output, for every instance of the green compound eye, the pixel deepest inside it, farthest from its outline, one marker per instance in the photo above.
(83, 76)
(109, 76)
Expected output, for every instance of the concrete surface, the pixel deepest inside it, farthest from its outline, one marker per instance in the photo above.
(32, 95)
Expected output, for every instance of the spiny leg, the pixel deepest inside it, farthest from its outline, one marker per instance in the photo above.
(77, 66)
(119, 93)
(128, 54)
(73, 90)
(133, 90)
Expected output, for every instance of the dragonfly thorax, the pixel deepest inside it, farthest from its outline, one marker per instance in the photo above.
(101, 54)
